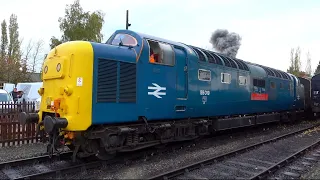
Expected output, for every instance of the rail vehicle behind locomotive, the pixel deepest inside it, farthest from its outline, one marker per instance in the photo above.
(105, 98)
(315, 94)
(307, 97)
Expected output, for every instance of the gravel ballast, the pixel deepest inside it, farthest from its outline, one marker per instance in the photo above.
(204, 149)
(10, 153)
(22, 151)
(313, 173)
(138, 169)
(238, 166)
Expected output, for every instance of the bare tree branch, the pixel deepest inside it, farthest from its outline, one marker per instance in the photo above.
(308, 66)
(35, 56)
(27, 52)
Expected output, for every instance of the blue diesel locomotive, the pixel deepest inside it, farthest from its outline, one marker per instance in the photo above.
(137, 91)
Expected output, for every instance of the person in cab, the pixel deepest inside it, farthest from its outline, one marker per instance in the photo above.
(152, 59)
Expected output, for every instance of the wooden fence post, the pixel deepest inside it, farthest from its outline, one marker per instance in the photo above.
(11, 131)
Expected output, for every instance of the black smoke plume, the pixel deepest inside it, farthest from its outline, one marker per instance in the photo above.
(225, 42)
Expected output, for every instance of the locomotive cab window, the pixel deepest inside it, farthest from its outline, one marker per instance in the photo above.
(225, 78)
(161, 53)
(125, 39)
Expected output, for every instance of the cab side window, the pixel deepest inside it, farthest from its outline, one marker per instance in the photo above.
(161, 53)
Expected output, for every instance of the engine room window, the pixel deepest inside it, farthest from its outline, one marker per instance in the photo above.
(225, 78)
(204, 75)
(259, 83)
(161, 53)
(272, 85)
(281, 86)
(242, 80)
(126, 40)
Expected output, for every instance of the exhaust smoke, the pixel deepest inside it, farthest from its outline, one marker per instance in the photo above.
(225, 42)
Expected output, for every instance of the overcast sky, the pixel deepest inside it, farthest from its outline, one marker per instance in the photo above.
(269, 28)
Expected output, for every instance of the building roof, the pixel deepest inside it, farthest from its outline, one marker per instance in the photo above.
(35, 77)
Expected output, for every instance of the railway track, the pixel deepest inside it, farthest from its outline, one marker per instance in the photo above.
(34, 160)
(256, 161)
(8, 167)
(42, 167)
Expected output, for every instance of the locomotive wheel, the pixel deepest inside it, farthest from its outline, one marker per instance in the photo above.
(104, 155)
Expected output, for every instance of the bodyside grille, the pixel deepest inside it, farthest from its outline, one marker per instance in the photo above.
(116, 81)
(127, 86)
(107, 81)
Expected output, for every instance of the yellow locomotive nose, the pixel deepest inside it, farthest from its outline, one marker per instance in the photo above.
(66, 93)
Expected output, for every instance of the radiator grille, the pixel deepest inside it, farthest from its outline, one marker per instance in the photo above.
(127, 86)
(107, 81)
(116, 81)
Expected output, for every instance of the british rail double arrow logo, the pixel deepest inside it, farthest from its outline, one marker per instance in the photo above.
(157, 89)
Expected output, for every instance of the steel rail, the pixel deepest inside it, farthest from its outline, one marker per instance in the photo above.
(32, 160)
(58, 172)
(83, 166)
(283, 162)
(200, 164)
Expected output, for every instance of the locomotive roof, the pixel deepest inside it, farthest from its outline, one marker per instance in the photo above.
(160, 39)
(270, 71)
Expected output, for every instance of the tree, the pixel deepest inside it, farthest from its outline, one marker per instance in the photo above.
(14, 66)
(54, 42)
(308, 66)
(27, 55)
(3, 48)
(291, 67)
(4, 40)
(14, 43)
(31, 55)
(79, 25)
(44, 58)
(317, 71)
(14, 53)
(295, 62)
(35, 56)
